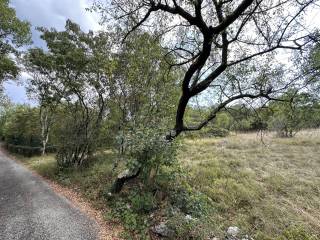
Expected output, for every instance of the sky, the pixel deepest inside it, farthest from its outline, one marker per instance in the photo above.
(48, 13)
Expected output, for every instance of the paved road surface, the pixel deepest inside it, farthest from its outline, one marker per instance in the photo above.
(30, 210)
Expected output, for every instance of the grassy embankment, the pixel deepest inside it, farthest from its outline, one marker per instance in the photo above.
(264, 186)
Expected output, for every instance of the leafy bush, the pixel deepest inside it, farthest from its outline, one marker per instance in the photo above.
(189, 202)
(143, 202)
(21, 126)
(208, 132)
(27, 151)
(218, 132)
(148, 149)
(134, 222)
(75, 136)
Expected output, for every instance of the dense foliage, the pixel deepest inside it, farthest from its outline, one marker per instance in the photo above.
(14, 33)
(160, 71)
(21, 126)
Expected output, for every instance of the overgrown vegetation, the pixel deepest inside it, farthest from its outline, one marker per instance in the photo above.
(264, 187)
(142, 118)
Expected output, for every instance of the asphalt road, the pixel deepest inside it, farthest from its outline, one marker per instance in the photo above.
(30, 210)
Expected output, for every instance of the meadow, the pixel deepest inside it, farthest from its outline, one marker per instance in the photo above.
(263, 184)
(267, 186)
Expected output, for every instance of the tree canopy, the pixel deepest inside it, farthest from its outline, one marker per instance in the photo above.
(14, 33)
(209, 38)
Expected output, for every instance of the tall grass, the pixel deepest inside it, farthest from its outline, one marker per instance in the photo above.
(264, 185)
(269, 187)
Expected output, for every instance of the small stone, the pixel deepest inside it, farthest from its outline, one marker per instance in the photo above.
(124, 173)
(212, 237)
(233, 231)
(163, 230)
(246, 237)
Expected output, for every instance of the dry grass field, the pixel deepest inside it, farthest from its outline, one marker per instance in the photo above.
(267, 186)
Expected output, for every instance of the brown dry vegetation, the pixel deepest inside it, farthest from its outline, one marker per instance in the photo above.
(260, 183)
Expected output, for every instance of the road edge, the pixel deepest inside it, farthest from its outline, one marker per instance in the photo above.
(106, 231)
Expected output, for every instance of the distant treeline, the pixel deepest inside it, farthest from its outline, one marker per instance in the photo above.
(285, 117)
(20, 127)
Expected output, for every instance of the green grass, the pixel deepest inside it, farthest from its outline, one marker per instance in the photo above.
(44, 165)
(268, 187)
(263, 185)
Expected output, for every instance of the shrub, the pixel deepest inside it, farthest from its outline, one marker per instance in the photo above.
(21, 126)
(148, 149)
(189, 202)
(133, 222)
(218, 132)
(209, 132)
(28, 151)
(296, 233)
(76, 136)
(143, 202)
(25, 151)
